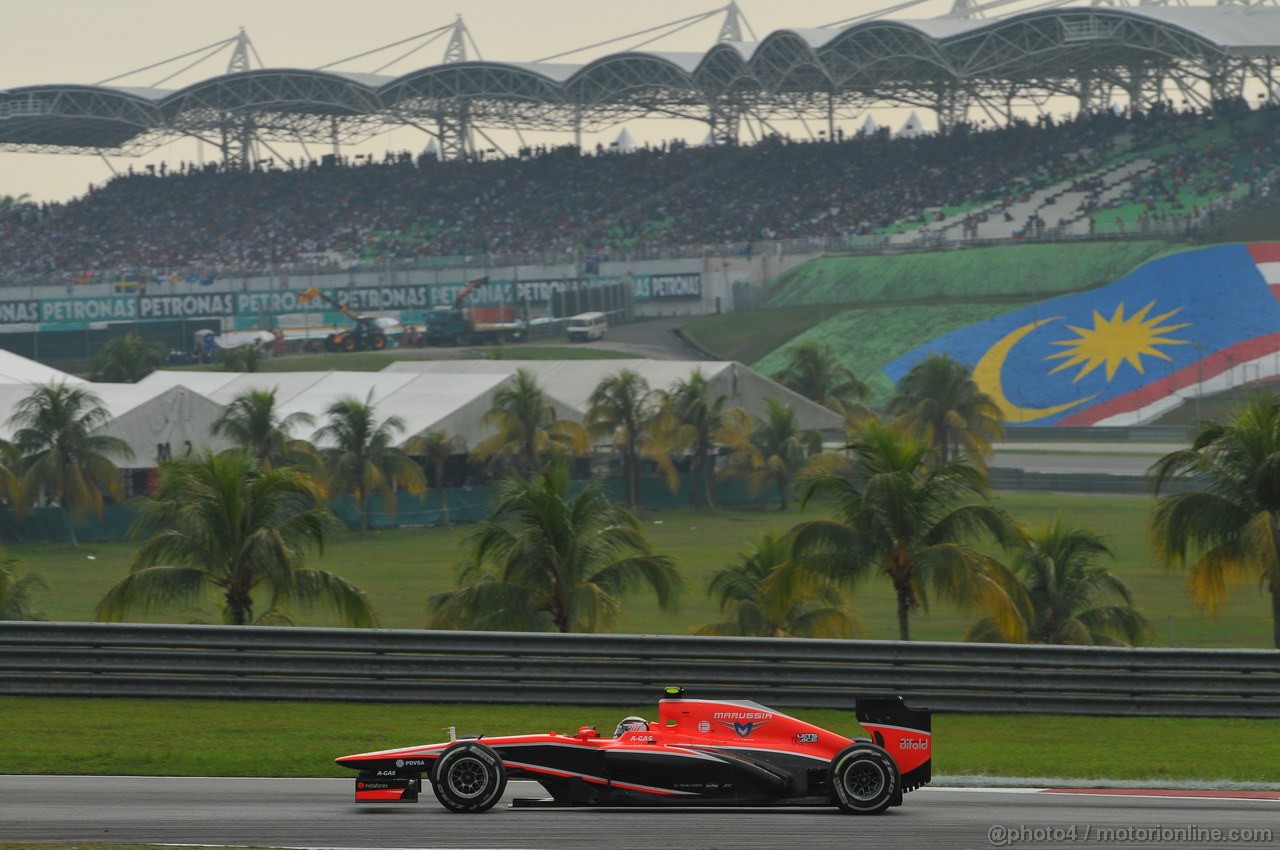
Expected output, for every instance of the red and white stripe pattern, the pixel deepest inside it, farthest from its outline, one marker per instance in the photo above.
(1247, 362)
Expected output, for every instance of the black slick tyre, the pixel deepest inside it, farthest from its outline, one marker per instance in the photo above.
(864, 780)
(468, 778)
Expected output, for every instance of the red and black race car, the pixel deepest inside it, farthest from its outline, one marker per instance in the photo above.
(697, 753)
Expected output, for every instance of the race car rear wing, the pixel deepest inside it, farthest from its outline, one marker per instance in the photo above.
(906, 733)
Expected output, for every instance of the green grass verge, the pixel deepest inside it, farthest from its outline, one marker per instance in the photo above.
(399, 569)
(376, 361)
(550, 352)
(251, 738)
(1039, 270)
(749, 335)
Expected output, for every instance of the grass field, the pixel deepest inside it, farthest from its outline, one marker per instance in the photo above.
(376, 361)
(216, 738)
(399, 569)
(1025, 271)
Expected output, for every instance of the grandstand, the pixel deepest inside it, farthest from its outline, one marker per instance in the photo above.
(1174, 126)
(963, 66)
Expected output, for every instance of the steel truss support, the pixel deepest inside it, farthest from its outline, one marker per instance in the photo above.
(1099, 55)
(238, 138)
(454, 134)
(724, 118)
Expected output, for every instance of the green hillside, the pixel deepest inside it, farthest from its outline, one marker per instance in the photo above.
(866, 338)
(872, 310)
(1020, 271)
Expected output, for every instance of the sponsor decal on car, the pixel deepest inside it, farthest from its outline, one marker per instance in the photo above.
(743, 729)
(805, 738)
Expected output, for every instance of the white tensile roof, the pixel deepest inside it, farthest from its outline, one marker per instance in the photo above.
(16, 369)
(143, 416)
(571, 382)
(177, 409)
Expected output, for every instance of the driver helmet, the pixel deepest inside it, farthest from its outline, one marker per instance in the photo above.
(631, 724)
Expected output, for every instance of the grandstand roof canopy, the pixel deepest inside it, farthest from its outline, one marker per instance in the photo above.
(1085, 52)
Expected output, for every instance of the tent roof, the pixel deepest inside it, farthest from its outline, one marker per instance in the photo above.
(177, 417)
(16, 369)
(451, 396)
(571, 382)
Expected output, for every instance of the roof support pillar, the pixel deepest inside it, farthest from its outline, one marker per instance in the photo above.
(725, 119)
(238, 142)
(951, 106)
(455, 131)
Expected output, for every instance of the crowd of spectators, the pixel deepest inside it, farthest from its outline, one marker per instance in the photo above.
(405, 206)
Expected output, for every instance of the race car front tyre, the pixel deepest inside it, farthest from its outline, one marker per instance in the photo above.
(864, 779)
(468, 777)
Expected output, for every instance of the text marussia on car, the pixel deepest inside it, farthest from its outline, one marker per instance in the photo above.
(698, 753)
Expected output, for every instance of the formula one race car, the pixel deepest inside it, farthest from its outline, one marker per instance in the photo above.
(698, 753)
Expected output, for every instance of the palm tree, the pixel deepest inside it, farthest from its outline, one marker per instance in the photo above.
(908, 519)
(434, 448)
(766, 594)
(780, 450)
(10, 465)
(63, 457)
(939, 398)
(364, 460)
(252, 422)
(244, 358)
(1232, 517)
(695, 422)
(547, 560)
(1062, 584)
(812, 371)
(526, 428)
(227, 524)
(16, 592)
(127, 359)
(621, 407)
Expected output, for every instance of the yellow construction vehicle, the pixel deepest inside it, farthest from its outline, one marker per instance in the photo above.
(364, 336)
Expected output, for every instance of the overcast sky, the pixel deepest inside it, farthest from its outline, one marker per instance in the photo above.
(86, 41)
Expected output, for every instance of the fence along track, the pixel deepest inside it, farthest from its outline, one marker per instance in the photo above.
(109, 660)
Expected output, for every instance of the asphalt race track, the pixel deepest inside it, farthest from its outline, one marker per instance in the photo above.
(318, 813)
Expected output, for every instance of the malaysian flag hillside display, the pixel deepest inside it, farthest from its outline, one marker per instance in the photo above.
(1176, 328)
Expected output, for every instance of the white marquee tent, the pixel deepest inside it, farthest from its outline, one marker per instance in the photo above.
(571, 382)
(145, 417)
(15, 369)
(175, 411)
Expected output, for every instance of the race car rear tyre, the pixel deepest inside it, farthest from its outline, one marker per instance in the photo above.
(864, 779)
(468, 777)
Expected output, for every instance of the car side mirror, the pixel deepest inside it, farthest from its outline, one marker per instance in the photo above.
(586, 732)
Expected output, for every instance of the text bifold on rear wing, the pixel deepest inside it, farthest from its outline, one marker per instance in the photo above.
(906, 733)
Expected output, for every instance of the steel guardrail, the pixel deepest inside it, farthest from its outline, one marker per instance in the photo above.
(383, 665)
